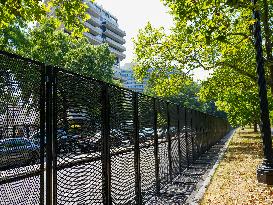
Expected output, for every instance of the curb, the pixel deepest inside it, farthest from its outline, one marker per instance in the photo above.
(201, 186)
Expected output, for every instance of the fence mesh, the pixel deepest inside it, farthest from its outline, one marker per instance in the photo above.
(162, 124)
(21, 154)
(146, 137)
(109, 144)
(122, 146)
(173, 130)
(79, 175)
(182, 137)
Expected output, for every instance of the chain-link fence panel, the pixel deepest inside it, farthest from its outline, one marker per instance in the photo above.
(174, 137)
(78, 139)
(183, 138)
(122, 146)
(147, 154)
(162, 132)
(21, 131)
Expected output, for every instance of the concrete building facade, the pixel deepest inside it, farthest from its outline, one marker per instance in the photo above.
(103, 28)
(129, 81)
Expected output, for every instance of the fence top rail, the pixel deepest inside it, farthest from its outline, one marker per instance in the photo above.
(12, 55)
(57, 68)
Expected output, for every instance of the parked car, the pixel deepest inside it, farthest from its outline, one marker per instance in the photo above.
(161, 132)
(89, 143)
(93, 143)
(16, 152)
(145, 134)
(35, 137)
(65, 143)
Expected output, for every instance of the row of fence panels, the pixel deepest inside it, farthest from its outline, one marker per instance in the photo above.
(69, 139)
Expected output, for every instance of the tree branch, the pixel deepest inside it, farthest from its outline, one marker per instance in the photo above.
(240, 71)
(244, 35)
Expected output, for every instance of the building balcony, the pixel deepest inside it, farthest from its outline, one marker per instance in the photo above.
(94, 21)
(115, 45)
(93, 10)
(94, 30)
(93, 39)
(114, 36)
(117, 75)
(120, 55)
(114, 28)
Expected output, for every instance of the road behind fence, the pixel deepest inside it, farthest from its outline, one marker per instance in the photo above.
(69, 139)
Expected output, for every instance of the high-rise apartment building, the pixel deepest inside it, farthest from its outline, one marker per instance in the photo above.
(103, 28)
(128, 79)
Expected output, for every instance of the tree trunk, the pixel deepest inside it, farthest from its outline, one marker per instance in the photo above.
(268, 44)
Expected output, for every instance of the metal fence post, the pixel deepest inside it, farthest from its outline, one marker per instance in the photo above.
(210, 132)
(13, 129)
(42, 104)
(136, 151)
(169, 143)
(179, 138)
(215, 130)
(203, 132)
(200, 130)
(197, 132)
(192, 135)
(54, 134)
(186, 138)
(207, 131)
(106, 141)
(49, 137)
(157, 178)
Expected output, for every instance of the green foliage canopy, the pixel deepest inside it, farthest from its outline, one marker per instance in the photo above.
(49, 44)
(70, 13)
(212, 35)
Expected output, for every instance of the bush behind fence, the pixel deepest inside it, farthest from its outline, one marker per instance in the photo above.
(95, 143)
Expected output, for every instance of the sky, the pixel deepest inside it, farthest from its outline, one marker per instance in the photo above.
(133, 15)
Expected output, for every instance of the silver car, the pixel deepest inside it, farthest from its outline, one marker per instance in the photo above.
(16, 152)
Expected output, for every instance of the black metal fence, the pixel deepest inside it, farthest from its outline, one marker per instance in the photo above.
(69, 139)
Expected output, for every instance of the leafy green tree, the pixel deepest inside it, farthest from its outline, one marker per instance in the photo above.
(13, 36)
(235, 94)
(71, 13)
(49, 44)
(182, 51)
(234, 87)
(159, 51)
(76, 55)
(90, 60)
(216, 36)
(224, 21)
(188, 97)
(220, 28)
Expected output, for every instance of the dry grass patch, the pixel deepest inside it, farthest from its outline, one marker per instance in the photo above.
(234, 181)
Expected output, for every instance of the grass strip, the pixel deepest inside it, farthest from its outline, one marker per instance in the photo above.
(235, 181)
